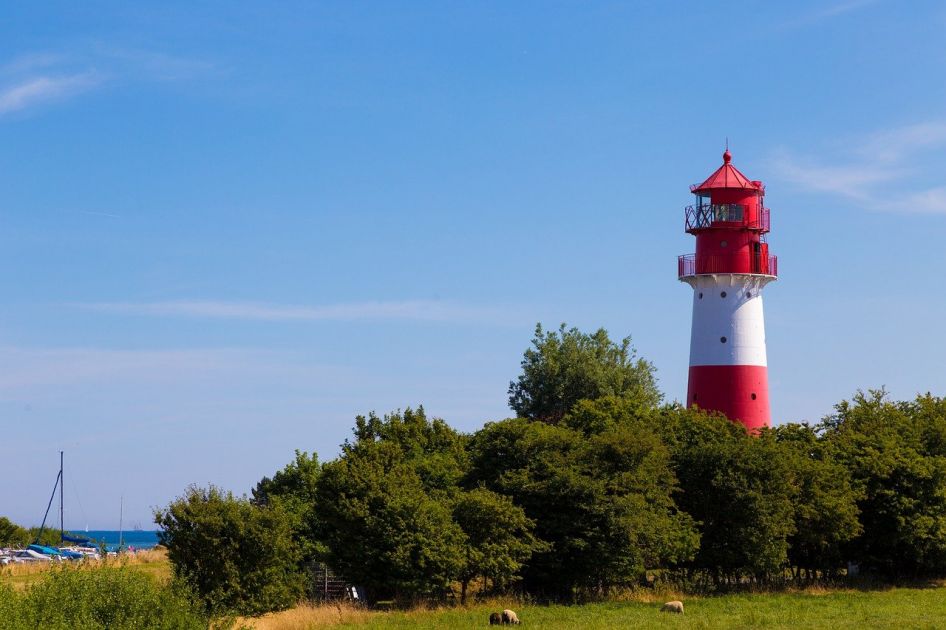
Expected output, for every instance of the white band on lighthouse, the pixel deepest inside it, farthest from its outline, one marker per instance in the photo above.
(728, 323)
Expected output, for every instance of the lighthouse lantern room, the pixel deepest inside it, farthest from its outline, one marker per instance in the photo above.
(731, 266)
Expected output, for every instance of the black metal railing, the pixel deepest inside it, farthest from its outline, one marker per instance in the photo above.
(702, 216)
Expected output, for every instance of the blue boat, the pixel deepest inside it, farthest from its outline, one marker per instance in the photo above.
(46, 551)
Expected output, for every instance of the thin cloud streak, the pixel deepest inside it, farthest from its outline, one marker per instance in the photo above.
(49, 367)
(411, 310)
(897, 144)
(882, 171)
(43, 89)
(37, 78)
(826, 13)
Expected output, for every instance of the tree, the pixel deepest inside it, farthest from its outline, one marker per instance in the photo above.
(383, 530)
(897, 461)
(825, 503)
(434, 450)
(296, 482)
(294, 489)
(11, 534)
(602, 503)
(385, 506)
(566, 366)
(738, 488)
(237, 556)
(498, 538)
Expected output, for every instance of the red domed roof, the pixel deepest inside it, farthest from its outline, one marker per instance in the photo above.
(726, 176)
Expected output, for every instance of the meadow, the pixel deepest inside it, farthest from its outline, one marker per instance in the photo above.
(152, 562)
(915, 606)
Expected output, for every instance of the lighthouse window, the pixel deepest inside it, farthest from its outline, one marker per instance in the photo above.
(748, 293)
(723, 294)
(701, 295)
(753, 396)
(722, 340)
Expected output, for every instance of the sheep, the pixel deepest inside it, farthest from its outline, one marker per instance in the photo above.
(495, 619)
(673, 607)
(510, 618)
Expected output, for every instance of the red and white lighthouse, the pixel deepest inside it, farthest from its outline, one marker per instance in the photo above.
(731, 266)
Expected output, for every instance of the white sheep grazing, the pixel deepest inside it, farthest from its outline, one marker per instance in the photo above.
(673, 607)
(510, 618)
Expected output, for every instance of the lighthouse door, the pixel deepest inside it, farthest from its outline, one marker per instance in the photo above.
(756, 257)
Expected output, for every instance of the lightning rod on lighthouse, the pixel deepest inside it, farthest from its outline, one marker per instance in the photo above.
(731, 266)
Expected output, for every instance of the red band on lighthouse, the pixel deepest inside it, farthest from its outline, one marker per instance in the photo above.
(731, 267)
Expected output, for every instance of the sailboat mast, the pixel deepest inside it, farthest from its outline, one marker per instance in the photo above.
(121, 515)
(62, 483)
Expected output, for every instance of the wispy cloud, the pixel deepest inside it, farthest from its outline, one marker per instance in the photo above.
(36, 78)
(827, 12)
(42, 368)
(897, 144)
(416, 310)
(888, 170)
(44, 89)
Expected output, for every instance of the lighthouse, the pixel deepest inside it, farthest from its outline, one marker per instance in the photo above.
(731, 267)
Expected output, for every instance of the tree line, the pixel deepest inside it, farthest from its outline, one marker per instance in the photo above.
(596, 484)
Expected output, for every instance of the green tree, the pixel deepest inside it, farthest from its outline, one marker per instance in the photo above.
(12, 535)
(566, 366)
(237, 556)
(432, 448)
(294, 489)
(896, 457)
(385, 506)
(383, 530)
(738, 488)
(498, 538)
(602, 503)
(825, 502)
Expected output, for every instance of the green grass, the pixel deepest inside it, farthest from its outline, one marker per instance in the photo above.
(893, 608)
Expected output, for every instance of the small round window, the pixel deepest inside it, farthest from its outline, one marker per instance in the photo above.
(723, 244)
(753, 396)
(748, 294)
(723, 294)
(722, 340)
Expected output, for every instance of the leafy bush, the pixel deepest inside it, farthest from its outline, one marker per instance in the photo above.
(107, 596)
(237, 556)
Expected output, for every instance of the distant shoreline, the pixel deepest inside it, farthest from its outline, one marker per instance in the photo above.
(140, 539)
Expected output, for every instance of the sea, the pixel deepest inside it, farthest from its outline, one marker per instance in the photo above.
(137, 538)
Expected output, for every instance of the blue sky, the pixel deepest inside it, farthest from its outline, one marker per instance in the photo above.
(226, 229)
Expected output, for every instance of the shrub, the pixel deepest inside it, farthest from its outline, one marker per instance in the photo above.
(114, 597)
(238, 557)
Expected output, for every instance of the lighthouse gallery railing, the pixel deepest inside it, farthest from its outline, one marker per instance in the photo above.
(758, 264)
(702, 216)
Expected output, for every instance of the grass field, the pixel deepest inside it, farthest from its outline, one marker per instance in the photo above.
(892, 608)
(915, 607)
(154, 563)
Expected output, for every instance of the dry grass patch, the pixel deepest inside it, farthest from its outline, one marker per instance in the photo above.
(153, 562)
(307, 616)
